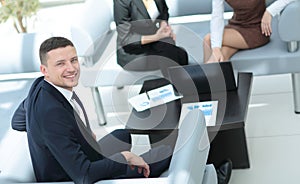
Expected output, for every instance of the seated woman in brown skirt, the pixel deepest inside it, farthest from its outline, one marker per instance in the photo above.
(249, 27)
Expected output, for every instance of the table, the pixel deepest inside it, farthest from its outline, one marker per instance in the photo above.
(227, 138)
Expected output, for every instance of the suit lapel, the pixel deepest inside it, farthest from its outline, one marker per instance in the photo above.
(141, 8)
(87, 134)
(53, 91)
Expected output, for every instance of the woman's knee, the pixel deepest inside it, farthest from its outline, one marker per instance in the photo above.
(206, 40)
(228, 52)
(183, 54)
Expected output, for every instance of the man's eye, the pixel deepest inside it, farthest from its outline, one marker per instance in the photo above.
(75, 60)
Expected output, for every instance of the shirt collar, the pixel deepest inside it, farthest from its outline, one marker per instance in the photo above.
(66, 93)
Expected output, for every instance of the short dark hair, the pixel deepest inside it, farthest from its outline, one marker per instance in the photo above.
(50, 44)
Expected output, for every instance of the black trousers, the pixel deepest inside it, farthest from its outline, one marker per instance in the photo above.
(159, 55)
(119, 140)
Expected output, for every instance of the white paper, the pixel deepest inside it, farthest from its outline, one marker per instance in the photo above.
(209, 109)
(153, 98)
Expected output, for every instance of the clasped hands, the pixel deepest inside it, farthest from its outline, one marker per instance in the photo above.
(164, 31)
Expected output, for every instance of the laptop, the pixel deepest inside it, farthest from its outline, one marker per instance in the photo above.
(203, 79)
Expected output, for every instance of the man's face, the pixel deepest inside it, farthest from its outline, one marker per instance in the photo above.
(62, 68)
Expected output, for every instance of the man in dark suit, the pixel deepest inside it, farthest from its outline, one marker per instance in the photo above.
(62, 145)
(145, 39)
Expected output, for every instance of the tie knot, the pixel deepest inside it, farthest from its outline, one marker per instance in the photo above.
(74, 96)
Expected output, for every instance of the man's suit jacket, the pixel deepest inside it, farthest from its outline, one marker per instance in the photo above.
(133, 21)
(61, 148)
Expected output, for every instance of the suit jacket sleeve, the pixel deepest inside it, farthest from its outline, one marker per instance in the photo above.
(122, 18)
(164, 10)
(18, 121)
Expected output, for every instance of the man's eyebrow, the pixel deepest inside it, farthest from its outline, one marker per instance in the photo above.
(62, 60)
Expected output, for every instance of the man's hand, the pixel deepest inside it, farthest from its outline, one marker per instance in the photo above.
(266, 20)
(216, 55)
(136, 161)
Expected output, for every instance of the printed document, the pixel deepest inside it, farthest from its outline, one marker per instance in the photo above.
(154, 98)
(209, 109)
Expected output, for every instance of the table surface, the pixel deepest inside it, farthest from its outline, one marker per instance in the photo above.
(232, 110)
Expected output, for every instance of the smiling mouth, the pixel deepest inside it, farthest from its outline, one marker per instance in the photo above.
(71, 76)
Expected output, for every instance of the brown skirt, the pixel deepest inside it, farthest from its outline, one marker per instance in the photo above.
(252, 35)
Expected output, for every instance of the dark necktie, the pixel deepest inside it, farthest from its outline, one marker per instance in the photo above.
(77, 100)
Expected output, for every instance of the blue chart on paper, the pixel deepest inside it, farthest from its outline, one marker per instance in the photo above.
(162, 94)
(206, 109)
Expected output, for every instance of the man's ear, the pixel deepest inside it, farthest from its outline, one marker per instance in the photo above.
(43, 69)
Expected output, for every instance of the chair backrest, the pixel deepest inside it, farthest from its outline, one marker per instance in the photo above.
(191, 151)
(91, 30)
(195, 7)
(20, 52)
(191, 7)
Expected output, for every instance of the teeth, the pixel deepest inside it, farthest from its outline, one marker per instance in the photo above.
(71, 76)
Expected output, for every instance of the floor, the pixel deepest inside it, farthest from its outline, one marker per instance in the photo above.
(273, 131)
(272, 127)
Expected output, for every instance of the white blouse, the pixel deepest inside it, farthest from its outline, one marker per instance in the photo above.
(217, 18)
(153, 10)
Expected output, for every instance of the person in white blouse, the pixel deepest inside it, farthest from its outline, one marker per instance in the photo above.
(249, 27)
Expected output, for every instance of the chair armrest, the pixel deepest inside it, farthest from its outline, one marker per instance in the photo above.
(288, 24)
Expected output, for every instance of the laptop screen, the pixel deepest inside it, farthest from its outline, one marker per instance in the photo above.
(203, 79)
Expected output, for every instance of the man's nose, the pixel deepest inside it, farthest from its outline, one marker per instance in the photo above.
(70, 66)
